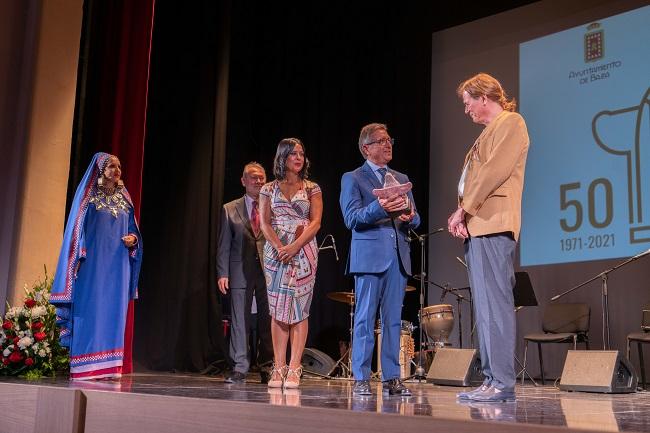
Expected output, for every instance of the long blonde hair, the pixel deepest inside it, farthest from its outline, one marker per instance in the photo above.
(483, 84)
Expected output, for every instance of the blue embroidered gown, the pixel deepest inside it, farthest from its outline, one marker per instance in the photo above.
(102, 293)
(96, 277)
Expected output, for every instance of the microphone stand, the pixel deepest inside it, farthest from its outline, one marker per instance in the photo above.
(605, 305)
(446, 288)
(420, 373)
(459, 300)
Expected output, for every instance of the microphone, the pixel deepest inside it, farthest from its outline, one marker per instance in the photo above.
(329, 247)
(336, 253)
(414, 236)
(445, 289)
(461, 261)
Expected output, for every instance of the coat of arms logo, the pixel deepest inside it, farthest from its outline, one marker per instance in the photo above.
(594, 43)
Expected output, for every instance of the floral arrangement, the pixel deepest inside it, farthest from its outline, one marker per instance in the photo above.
(29, 338)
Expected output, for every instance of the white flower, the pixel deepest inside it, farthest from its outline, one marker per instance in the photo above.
(21, 334)
(46, 296)
(35, 347)
(38, 296)
(7, 352)
(38, 311)
(14, 312)
(42, 353)
(24, 342)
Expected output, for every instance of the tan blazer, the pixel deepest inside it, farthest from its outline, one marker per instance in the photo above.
(495, 177)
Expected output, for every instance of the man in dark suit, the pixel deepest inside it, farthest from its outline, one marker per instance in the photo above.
(379, 258)
(240, 271)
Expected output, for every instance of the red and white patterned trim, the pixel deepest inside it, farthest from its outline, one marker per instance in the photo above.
(97, 356)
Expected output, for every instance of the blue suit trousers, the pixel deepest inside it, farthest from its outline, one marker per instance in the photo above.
(373, 291)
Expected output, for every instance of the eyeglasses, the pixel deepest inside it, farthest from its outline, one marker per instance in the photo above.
(383, 142)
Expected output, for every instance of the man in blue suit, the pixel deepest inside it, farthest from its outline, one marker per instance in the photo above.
(379, 258)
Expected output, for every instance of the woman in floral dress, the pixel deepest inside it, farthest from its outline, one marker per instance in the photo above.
(290, 208)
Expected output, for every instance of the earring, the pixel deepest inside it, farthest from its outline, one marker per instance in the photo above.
(100, 180)
(120, 183)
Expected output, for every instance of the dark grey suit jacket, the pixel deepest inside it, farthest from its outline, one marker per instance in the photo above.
(239, 251)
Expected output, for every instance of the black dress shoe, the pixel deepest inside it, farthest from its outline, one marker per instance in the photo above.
(395, 387)
(264, 376)
(236, 377)
(361, 387)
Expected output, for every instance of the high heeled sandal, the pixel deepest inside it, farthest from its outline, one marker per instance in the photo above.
(274, 381)
(293, 372)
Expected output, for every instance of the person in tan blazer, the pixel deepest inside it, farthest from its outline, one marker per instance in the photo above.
(488, 219)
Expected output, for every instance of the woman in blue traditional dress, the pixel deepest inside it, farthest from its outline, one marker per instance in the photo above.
(290, 209)
(97, 272)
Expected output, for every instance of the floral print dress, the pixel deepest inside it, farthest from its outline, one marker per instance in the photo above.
(290, 286)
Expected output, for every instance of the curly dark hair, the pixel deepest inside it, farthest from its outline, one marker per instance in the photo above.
(285, 147)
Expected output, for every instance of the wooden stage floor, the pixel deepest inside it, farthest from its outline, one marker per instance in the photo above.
(190, 402)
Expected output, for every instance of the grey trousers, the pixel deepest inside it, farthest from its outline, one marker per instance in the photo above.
(490, 261)
(241, 301)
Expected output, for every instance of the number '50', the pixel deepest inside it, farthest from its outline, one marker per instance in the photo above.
(567, 203)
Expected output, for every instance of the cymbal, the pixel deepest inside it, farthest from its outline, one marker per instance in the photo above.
(345, 297)
(410, 289)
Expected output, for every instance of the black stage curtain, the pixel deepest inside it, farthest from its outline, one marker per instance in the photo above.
(315, 71)
(178, 320)
(318, 71)
(321, 73)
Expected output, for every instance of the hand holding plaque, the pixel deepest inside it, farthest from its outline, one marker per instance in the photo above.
(393, 196)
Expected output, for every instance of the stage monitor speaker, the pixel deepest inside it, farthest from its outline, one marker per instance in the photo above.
(597, 371)
(455, 367)
(317, 362)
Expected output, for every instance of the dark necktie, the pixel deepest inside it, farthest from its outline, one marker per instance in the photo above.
(255, 218)
(382, 172)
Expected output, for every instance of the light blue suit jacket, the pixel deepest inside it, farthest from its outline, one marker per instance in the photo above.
(374, 234)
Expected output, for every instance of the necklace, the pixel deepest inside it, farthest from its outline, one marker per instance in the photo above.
(107, 190)
(113, 202)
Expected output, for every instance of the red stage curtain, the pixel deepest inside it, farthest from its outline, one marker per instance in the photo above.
(116, 75)
(130, 114)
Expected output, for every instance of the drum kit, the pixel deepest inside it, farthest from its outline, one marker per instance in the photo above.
(436, 321)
